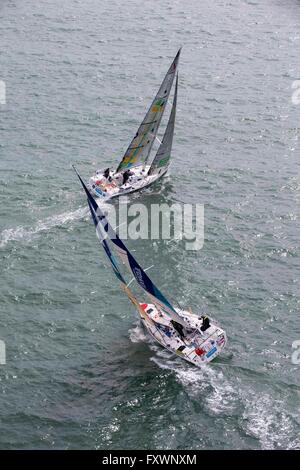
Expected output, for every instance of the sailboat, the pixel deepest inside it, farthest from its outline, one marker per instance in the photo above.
(134, 172)
(196, 338)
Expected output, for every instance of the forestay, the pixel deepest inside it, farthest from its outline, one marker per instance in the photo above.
(162, 158)
(140, 146)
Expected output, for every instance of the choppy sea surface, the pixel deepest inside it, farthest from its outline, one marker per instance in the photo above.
(80, 372)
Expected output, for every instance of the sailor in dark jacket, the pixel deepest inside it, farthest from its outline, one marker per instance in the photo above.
(126, 175)
(205, 323)
(178, 327)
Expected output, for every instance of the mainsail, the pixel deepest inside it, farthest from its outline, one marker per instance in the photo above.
(104, 229)
(140, 146)
(162, 158)
(105, 244)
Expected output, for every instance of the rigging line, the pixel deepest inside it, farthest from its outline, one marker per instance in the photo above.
(159, 119)
(115, 229)
(134, 277)
(151, 143)
(136, 147)
(135, 152)
(178, 305)
(150, 122)
(120, 225)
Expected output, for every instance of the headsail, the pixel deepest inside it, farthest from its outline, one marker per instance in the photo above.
(103, 227)
(162, 158)
(140, 146)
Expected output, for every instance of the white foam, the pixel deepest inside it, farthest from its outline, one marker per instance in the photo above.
(265, 419)
(263, 416)
(224, 397)
(192, 378)
(137, 334)
(26, 234)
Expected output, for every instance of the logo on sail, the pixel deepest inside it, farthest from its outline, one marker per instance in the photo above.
(157, 105)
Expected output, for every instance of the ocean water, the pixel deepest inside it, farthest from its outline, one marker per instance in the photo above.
(80, 372)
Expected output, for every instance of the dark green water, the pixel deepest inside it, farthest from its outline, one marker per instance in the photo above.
(79, 75)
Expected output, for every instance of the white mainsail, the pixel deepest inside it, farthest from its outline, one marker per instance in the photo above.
(162, 158)
(140, 146)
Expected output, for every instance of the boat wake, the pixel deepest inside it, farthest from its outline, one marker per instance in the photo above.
(137, 334)
(268, 421)
(27, 234)
(261, 417)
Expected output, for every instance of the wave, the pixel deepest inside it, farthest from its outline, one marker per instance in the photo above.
(137, 334)
(260, 415)
(26, 234)
(265, 418)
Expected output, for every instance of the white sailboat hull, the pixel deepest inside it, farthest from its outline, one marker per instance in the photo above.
(197, 340)
(198, 347)
(104, 189)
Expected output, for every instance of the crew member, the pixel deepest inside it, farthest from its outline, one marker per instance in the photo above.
(178, 327)
(126, 175)
(205, 323)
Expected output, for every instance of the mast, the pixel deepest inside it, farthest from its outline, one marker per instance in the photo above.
(105, 231)
(162, 158)
(141, 145)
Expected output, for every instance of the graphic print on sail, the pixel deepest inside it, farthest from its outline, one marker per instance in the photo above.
(135, 171)
(161, 160)
(196, 339)
(139, 149)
